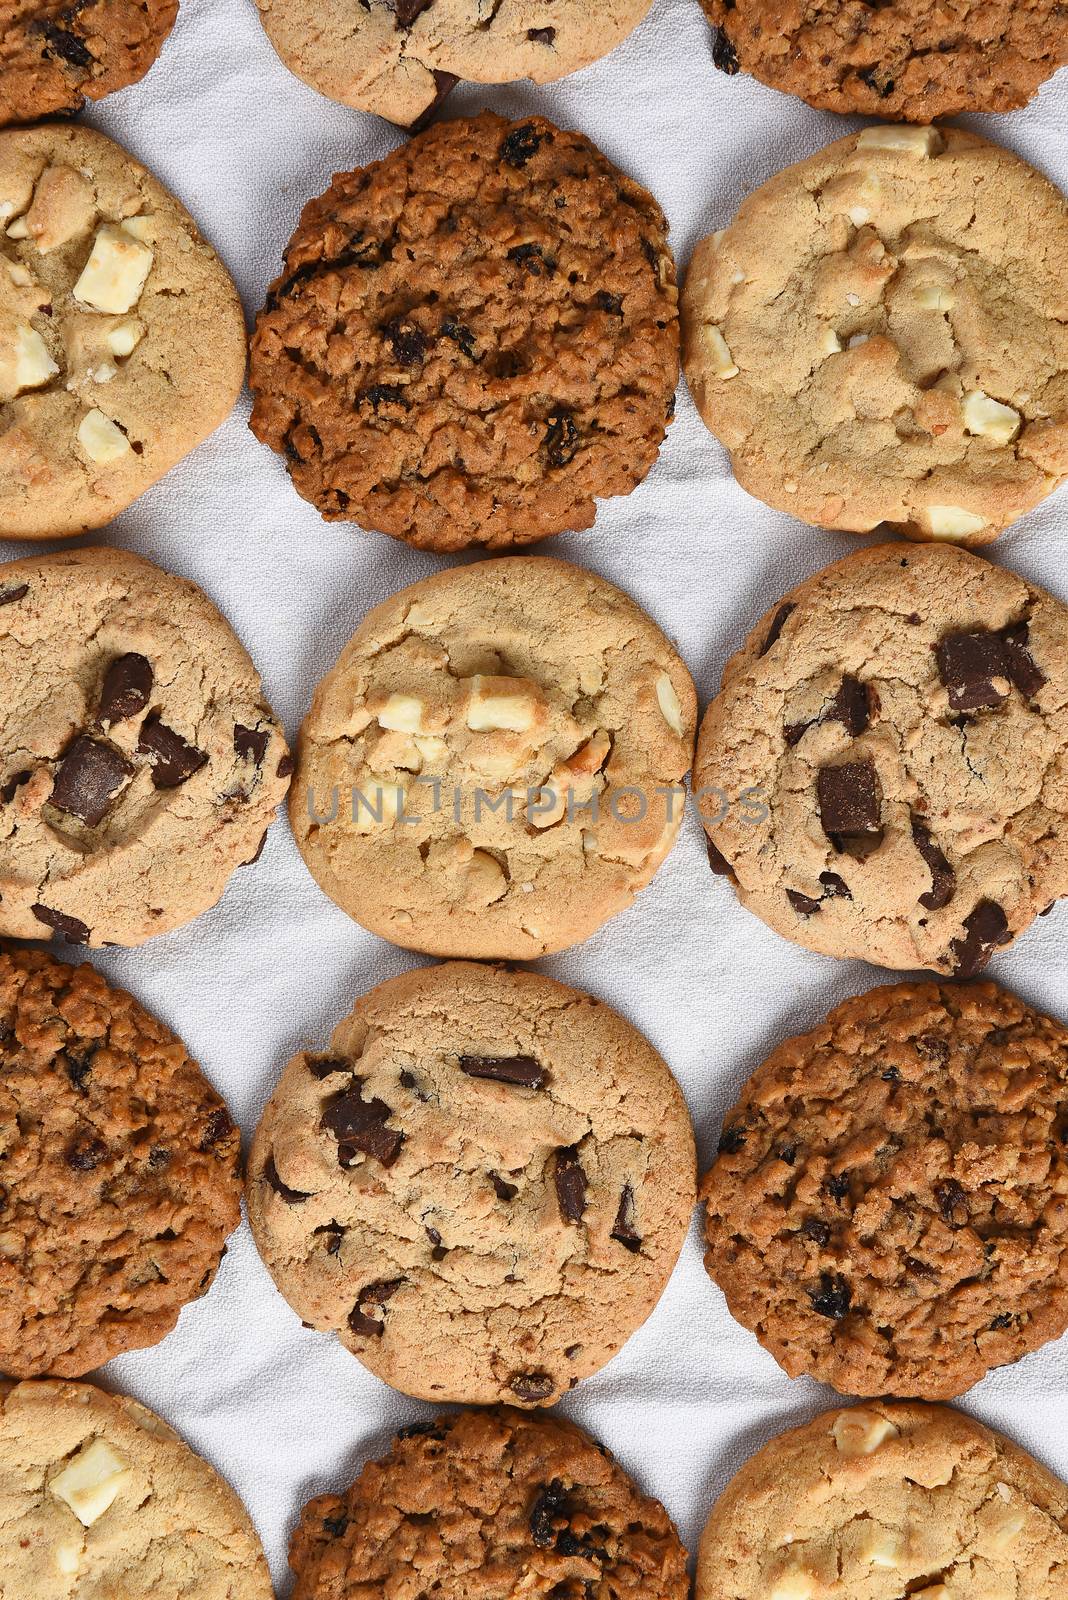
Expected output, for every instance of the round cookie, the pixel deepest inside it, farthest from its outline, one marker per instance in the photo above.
(139, 762)
(881, 1501)
(888, 1209)
(122, 339)
(490, 1502)
(120, 1173)
(98, 1496)
(899, 724)
(899, 58)
(881, 335)
(400, 58)
(473, 339)
(482, 1187)
(54, 55)
(494, 766)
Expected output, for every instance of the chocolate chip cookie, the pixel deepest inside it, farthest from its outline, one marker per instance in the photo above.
(119, 1171)
(54, 55)
(401, 58)
(101, 1497)
(494, 766)
(895, 58)
(883, 1501)
(122, 339)
(902, 719)
(482, 1187)
(139, 762)
(490, 1502)
(473, 339)
(881, 335)
(889, 1208)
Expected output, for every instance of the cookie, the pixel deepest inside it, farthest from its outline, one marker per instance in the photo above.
(139, 762)
(400, 58)
(119, 1181)
(883, 773)
(881, 335)
(472, 340)
(98, 1496)
(54, 55)
(482, 1187)
(887, 1500)
(122, 339)
(888, 1209)
(494, 766)
(900, 58)
(489, 1502)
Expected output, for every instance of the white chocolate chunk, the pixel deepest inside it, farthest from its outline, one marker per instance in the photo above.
(860, 1432)
(856, 340)
(19, 229)
(401, 712)
(124, 337)
(104, 372)
(101, 440)
(852, 299)
(19, 274)
(68, 1558)
(933, 298)
(486, 881)
(1006, 1531)
(917, 142)
(718, 352)
(63, 209)
(504, 704)
(377, 805)
(989, 419)
(953, 522)
(114, 276)
(25, 363)
(669, 703)
(883, 1548)
(859, 215)
(937, 1591)
(830, 344)
(90, 1483)
(429, 747)
(796, 1585)
(141, 227)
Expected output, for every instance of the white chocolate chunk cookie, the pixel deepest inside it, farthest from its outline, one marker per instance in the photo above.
(884, 1501)
(400, 58)
(122, 340)
(905, 714)
(881, 335)
(99, 1497)
(481, 1188)
(139, 762)
(494, 766)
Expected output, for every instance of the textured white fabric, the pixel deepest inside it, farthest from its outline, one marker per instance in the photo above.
(284, 1412)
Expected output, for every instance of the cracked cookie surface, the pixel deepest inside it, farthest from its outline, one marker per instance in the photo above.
(494, 766)
(139, 762)
(883, 1501)
(473, 339)
(55, 55)
(400, 57)
(119, 1171)
(904, 713)
(489, 1503)
(881, 335)
(98, 1496)
(482, 1187)
(889, 1208)
(122, 339)
(897, 58)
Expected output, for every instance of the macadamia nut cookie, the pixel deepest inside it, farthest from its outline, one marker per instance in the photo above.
(482, 1188)
(54, 55)
(494, 766)
(881, 335)
(139, 762)
(903, 718)
(99, 1497)
(122, 339)
(882, 1501)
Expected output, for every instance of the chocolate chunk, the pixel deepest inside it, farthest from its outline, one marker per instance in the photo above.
(422, 1430)
(624, 1229)
(610, 303)
(724, 55)
(292, 1197)
(891, 1075)
(67, 46)
(503, 1191)
(984, 929)
(943, 878)
(385, 394)
(11, 788)
(251, 743)
(816, 1230)
(832, 1298)
(444, 84)
(794, 732)
(332, 1234)
(88, 779)
(219, 1126)
(777, 624)
(882, 85)
(732, 1139)
(570, 1183)
(968, 664)
(460, 335)
(534, 259)
(1004, 1319)
(1023, 673)
(85, 1153)
(849, 801)
(406, 11)
(836, 887)
(336, 1526)
(78, 1069)
(9, 596)
(127, 686)
(561, 440)
(407, 343)
(803, 904)
(375, 1295)
(285, 766)
(521, 144)
(719, 863)
(73, 931)
(438, 1251)
(541, 35)
(173, 759)
(322, 1067)
(547, 1512)
(837, 1185)
(257, 853)
(521, 1070)
(851, 706)
(531, 1385)
(158, 1158)
(360, 1128)
(952, 1202)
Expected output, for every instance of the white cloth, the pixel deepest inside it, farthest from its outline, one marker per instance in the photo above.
(285, 1413)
